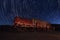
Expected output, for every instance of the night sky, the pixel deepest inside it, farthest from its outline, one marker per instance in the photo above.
(47, 10)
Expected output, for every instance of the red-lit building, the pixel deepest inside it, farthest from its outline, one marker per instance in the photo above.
(23, 22)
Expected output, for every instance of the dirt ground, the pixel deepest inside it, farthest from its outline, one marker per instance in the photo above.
(29, 36)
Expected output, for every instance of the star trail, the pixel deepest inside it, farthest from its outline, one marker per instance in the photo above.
(47, 10)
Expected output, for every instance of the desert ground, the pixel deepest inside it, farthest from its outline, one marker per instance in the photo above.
(7, 35)
(29, 35)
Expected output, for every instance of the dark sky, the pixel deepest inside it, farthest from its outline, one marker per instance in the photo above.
(47, 10)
